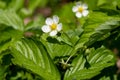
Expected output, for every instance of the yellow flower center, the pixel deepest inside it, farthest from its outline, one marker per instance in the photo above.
(53, 26)
(80, 9)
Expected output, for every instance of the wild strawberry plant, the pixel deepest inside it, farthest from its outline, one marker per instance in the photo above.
(71, 44)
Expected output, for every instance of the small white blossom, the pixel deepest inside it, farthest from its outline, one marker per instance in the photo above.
(80, 9)
(52, 26)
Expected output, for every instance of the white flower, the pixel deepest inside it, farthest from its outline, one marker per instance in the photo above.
(52, 26)
(80, 9)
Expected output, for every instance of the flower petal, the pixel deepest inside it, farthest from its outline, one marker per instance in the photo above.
(78, 14)
(75, 8)
(46, 29)
(53, 33)
(55, 19)
(49, 21)
(85, 6)
(85, 12)
(59, 27)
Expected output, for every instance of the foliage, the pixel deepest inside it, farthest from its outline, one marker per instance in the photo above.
(81, 51)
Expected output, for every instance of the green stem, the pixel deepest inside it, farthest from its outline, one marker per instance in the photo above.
(72, 54)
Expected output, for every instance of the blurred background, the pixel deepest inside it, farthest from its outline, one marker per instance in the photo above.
(36, 11)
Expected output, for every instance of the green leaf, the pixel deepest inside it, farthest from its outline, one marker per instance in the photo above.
(70, 37)
(57, 49)
(21, 75)
(77, 64)
(8, 36)
(111, 4)
(64, 38)
(3, 69)
(99, 55)
(63, 44)
(114, 77)
(16, 4)
(96, 27)
(10, 18)
(31, 55)
(97, 61)
(74, 35)
(104, 4)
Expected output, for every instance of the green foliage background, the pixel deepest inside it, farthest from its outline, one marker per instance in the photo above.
(83, 50)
